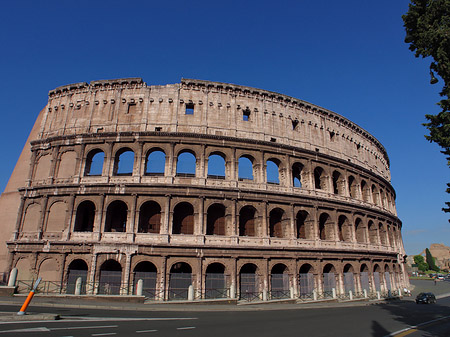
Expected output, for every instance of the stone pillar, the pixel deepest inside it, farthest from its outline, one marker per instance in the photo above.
(126, 275)
(234, 219)
(264, 222)
(43, 217)
(91, 288)
(70, 219)
(139, 167)
(199, 227)
(108, 166)
(131, 224)
(165, 223)
(292, 222)
(98, 224)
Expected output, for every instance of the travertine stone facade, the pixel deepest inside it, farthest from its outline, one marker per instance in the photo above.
(237, 191)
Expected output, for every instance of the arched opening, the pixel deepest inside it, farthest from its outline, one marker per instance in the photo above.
(319, 179)
(216, 166)
(183, 219)
(155, 163)
(94, 163)
(149, 217)
(337, 183)
(306, 281)
(387, 278)
(365, 192)
(110, 279)
(249, 285)
(215, 281)
(180, 279)
(297, 170)
(329, 280)
(279, 282)
(247, 226)
(272, 171)
(349, 279)
(375, 195)
(376, 277)
(302, 217)
(215, 220)
(277, 224)
(364, 273)
(373, 233)
(245, 168)
(147, 272)
(383, 234)
(360, 231)
(77, 269)
(124, 162)
(116, 217)
(326, 231)
(186, 164)
(345, 231)
(84, 218)
(352, 190)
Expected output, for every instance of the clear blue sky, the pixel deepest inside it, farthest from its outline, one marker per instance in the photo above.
(346, 56)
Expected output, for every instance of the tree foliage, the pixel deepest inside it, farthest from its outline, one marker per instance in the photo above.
(421, 264)
(430, 261)
(427, 25)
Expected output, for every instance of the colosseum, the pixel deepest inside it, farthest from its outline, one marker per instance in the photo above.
(200, 190)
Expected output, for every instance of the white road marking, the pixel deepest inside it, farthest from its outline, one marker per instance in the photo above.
(416, 326)
(104, 334)
(84, 327)
(186, 328)
(102, 319)
(142, 331)
(27, 330)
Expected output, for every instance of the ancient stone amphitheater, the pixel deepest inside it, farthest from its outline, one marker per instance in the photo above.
(201, 190)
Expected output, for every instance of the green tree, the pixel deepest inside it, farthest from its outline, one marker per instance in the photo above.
(421, 264)
(430, 261)
(427, 25)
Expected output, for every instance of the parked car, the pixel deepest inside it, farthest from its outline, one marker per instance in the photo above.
(440, 277)
(425, 298)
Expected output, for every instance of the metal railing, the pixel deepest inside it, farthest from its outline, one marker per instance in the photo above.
(250, 296)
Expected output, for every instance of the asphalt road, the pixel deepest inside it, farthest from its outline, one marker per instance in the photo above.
(369, 320)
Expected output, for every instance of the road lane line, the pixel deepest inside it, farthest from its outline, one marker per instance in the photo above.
(40, 329)
(186, 328)
(84, 327)
(408, 330)
(143, 331)
(104, 334)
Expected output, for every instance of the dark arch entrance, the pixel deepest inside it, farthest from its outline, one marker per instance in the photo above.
(77, 268)
(147, 272)
(215, 222)
(149, 217)
(183, 219)
(279, 282)
(215, 281)
(116, 217)
(249, 285)
(180, 279)
(247, 221)
(84, 220)
(306, 281)
(110, 280)
(329, 280)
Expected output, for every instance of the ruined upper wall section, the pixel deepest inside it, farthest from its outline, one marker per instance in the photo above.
(219, 109)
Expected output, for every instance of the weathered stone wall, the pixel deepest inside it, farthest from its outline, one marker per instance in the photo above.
(332, 206)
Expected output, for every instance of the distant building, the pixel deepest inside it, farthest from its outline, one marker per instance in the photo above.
(441, 253)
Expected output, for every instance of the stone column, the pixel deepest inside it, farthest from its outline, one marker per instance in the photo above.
(92, 289)
(131, 224)
(165, 224)
(70, 219)
(43, 217)
(126, 275)
(292, 222)
(198, 229)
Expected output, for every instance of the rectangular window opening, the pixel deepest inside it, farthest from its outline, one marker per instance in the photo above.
(189, 109)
